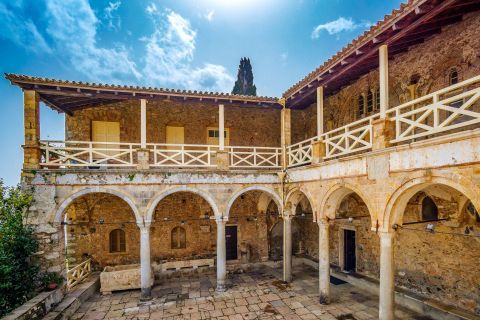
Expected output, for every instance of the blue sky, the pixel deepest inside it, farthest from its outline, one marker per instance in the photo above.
(195, 44)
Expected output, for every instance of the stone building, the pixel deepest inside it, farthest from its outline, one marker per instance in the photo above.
(370, 165)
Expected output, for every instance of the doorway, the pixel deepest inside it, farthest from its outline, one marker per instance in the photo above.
(231, 242)
(350, 258)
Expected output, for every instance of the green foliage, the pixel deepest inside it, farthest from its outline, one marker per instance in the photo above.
(51, 277)
(17, 272)
(244, 84)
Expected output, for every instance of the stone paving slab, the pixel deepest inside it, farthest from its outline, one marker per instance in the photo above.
(254, 295)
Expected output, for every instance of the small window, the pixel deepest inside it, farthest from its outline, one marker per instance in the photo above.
(117, 241)
(179, 238)
(429, 209)
(377, 99)
(453, 77)
(361, 105)
(472, 211)
(369, 101)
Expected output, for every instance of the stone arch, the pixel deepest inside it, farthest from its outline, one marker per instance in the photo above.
(295, 196)
(274, 196)
(203, 194)
(396, 205)
(64, 205)
(333, 198)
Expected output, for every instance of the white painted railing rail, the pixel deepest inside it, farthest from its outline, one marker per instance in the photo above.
(57, 153)
(78, 273)
(300, 153)
(255, 157)
(447, 109)
(354, 137)
(182, 155)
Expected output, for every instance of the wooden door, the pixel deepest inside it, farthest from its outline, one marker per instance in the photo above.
(231, 242)
(350, 258)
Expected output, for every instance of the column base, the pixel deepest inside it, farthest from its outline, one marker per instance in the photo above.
(146, 294)
(221, 287)
(324, 299)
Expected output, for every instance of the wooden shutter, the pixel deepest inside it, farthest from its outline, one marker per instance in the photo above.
(106, 131)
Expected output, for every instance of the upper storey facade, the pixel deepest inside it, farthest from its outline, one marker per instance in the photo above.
(414, 75)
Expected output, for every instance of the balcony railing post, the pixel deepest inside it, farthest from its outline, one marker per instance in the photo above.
(319, 151)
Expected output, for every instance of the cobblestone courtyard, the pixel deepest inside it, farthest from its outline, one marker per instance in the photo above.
(252, 295)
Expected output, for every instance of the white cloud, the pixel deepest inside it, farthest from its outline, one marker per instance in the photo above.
(73, 26)
(169, 54)
(340, 25)
(113, 19)
(152, 8)
(209, 15)
(20, 29)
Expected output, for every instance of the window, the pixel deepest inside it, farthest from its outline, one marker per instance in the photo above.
(179, 238)
(429, 209)
(369, 101)
(213, 134)
(361, 105)
(377, 99)
(117, 241)
(453, 77)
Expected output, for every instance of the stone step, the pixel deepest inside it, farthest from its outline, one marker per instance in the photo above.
(74, 299)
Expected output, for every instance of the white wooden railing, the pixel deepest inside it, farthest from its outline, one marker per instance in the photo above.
(447, 109)
(300, 153)
(87, 154)
(255, 157)
(78, 273)
(454, 107)
(354, 137)
(182, 155)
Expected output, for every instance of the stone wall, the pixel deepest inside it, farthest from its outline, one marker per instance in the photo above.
(445, 264)
(249, 125)
(428, 64)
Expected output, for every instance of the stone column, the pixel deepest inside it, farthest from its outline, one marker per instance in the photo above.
(145, 266)
(287, 248)
(319, 151)
(324, 262)
(31, 116)
(387, 278)
(221, 255)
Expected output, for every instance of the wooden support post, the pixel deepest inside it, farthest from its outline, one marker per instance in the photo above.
(31, 113)
(286, 134)
(221, 127)
(319, 111)
(383, 70)
(143, 123)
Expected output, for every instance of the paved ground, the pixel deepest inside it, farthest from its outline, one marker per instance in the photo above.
(253, 295)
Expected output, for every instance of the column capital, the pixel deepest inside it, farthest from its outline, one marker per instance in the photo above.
(323, 223)
(221, 219)
(144, 225)
(387, 235)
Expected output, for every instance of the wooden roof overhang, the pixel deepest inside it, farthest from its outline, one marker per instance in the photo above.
(70, 96)
(412, 24)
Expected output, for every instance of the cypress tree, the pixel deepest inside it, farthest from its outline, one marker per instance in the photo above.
(244, 84)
